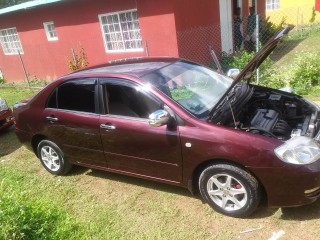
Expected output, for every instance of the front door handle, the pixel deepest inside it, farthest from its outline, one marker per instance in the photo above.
(52, 119)
(108, 126)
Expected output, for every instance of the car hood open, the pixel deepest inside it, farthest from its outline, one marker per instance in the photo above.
(248, 71)
(263, 53)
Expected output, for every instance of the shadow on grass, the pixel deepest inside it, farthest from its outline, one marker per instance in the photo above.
(262, 212)
(141, 182)
(302, 213)
(8, 141)
(145, 183)
(296, 213)
(284, 49)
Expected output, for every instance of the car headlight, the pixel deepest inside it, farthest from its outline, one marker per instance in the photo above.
(3, 105)
(299, 150)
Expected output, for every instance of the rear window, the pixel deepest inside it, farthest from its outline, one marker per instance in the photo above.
(74, 96)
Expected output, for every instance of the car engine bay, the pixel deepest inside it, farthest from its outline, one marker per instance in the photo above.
(267, 112)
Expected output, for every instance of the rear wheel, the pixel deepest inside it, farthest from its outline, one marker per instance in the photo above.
(230, 190)
(52, 158)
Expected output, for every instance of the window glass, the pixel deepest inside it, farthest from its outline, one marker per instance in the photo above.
(121, 31)
(74, 96)
(194, 87)
(272, 5)
(52, 101)
(50, 31)
(10, 41)
(129, 101)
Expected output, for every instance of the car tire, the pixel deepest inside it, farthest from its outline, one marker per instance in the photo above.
(52, 158)
(230, 190)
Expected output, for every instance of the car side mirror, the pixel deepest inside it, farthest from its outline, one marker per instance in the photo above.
(233, 72)
(159, 118)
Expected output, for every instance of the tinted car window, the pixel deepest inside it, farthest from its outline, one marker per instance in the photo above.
(129, 101)
(75, 96)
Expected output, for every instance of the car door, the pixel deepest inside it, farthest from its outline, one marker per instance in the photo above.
(72, 121)
(130, 144)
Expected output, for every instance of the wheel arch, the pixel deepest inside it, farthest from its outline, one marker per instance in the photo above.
(36, 139)
(193, 182)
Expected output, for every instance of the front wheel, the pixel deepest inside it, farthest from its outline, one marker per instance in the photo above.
(52, 158)
(230, 190)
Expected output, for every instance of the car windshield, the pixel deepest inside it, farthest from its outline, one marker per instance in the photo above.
(194, 87)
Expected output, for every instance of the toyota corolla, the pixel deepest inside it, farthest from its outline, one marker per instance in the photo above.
(178, 122)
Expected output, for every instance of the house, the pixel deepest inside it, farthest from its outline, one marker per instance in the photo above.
(295, 12)
(45, 32)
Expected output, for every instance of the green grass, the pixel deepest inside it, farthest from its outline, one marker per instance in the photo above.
(293, 46)
(25, 216)
(34, 206)
(13, 95)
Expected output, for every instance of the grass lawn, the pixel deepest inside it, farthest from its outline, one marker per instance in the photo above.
(13, 95)
(91, 204)
(293, 46)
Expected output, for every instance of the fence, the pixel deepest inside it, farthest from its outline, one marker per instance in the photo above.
(235, 47)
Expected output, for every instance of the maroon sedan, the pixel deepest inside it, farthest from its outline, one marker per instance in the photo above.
(175, 121)
(6, 119)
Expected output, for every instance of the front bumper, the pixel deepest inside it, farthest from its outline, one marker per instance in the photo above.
(6, 119)
(290, 186)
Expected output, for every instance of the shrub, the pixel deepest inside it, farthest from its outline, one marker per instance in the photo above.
(238, 60)
(78, 60)
(306, 73)
(269, 76)
(273, 79)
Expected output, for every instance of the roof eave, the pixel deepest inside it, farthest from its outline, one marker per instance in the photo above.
(27, 5)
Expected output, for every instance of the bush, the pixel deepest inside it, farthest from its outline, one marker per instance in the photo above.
(238, 60)
(306, 74)
(78, 60)
(268, 76)
(273, 79)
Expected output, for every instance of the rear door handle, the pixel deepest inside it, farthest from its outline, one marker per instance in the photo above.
(108, 126)
(52, 119)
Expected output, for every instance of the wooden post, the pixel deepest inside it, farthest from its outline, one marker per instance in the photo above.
(24, 69)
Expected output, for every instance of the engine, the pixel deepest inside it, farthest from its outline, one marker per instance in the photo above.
(270, 113)
(267, 122)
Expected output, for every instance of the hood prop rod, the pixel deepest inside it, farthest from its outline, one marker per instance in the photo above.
(233, 117)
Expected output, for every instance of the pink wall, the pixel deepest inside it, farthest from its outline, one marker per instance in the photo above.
(198, 26)
(78, 25)
(184, 28)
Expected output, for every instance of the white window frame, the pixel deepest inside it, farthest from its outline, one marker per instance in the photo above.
(10, 41)
(48, 31)
(272, 5)
(121, 33)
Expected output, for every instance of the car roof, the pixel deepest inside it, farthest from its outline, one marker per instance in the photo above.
(136, 67)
